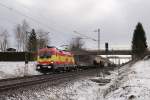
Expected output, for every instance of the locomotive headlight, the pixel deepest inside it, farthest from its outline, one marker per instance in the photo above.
(52, 62)
(49, 67)
(38, 67)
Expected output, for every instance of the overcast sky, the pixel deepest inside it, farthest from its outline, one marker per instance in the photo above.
(115, 18)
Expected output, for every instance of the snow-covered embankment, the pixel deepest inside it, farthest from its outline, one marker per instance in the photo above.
(134, 84)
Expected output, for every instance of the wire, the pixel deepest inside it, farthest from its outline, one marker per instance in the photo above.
(29, 17)
(87, 37)
(41, 15)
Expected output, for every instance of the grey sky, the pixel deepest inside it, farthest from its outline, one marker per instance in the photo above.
(115, 18)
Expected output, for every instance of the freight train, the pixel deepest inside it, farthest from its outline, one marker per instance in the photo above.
(52, 59)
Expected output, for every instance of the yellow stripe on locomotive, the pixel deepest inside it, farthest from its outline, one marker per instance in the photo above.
(46, 56)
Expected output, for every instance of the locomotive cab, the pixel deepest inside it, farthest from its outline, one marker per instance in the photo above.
(44, 60)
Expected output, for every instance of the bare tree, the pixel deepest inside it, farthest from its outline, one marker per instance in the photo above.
(4, 40)
(43, 38)
(25, 28)
(20, 33)
(76, 44)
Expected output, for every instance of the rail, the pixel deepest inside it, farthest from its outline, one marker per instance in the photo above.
(13, 83)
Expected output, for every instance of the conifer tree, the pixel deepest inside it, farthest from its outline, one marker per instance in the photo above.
(139, 44)
(32, 42)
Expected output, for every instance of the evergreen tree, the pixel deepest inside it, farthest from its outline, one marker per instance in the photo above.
(139, 44)
(32, 42)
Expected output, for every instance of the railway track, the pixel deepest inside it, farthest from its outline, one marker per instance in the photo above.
(13, 83)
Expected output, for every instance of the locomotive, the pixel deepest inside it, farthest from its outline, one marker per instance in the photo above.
(53, 59)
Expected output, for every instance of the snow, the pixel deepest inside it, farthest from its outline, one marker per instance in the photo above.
(137, 84)
(78, 89)
(16, 69)
(117, 60)
(127, 83)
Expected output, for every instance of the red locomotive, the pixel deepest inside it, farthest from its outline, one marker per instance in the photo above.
(52, 59)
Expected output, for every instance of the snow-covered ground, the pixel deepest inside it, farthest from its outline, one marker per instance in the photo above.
(16, 69)
(78, 89)
(127, 83)
(136, 85)
(82, 88)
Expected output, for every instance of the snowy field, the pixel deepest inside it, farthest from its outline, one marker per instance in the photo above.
(137, 85)
(131, 84)
(16, 69)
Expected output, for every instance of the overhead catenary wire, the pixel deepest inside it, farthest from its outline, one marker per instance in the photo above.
(37, 16)
(86, 37)
(29, 17)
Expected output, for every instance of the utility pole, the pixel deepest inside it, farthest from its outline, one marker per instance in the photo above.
(98, 39)
(26, 55)
(98, 52)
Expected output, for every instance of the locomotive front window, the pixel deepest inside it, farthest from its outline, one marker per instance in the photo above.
(45, 54)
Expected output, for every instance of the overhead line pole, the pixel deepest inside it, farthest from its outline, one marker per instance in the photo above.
(98, 51)
(98, 40)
